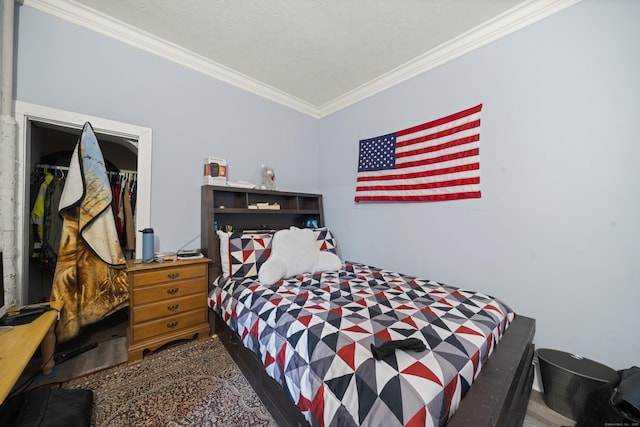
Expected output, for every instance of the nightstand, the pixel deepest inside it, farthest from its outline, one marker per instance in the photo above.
(168, 301)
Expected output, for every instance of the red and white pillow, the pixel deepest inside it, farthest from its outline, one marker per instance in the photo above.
(325, 240)
(243, 254)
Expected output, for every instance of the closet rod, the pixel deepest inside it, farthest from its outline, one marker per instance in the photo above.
(66, 168)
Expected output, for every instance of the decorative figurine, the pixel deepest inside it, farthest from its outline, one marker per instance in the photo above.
(268, 178)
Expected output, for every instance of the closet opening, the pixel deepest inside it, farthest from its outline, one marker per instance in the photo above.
(51, 148)
(44, 135)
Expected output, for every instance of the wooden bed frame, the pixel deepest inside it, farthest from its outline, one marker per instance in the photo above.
(498, 397)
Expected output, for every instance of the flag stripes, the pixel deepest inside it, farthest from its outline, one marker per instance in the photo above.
(437, 160)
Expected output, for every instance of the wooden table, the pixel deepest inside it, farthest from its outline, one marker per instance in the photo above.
(18, 345)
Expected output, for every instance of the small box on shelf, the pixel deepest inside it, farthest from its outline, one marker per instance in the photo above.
(215, 171)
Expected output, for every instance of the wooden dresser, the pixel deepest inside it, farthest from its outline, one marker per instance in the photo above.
(168, 301)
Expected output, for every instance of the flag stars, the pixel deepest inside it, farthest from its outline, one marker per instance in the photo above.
(377, 153)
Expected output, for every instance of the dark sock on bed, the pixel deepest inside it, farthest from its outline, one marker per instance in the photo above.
(389, 347)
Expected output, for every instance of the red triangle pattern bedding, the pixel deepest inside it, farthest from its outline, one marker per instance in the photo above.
(314, 333)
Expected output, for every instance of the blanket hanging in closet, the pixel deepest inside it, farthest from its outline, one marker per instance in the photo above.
(91, 276)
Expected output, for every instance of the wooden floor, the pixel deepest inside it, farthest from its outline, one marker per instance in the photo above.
(540, 415)
(111, 337)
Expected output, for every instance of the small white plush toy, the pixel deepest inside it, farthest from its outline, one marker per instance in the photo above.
(268, 178)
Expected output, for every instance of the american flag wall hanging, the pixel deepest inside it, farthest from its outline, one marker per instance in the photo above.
(437, 160)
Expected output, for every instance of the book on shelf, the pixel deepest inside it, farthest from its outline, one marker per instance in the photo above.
(266, 205)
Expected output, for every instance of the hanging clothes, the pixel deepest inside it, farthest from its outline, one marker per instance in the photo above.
(130, 231)
(37, 216)
(52, 220)
(90, 275)
(117, 209)
(47, 247)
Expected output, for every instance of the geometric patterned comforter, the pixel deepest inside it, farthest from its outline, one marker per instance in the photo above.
(313, 333)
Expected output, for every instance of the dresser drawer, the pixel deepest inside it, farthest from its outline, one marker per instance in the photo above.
(170, 307)
(165, 325)
(169, 275)
(168, 302)
(168, 291)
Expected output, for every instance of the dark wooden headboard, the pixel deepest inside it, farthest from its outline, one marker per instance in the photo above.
(233, 208)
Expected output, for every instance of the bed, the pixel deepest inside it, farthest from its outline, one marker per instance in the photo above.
(307, 343)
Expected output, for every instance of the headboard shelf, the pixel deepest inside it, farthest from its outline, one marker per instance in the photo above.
(224, 211)
(229, 206)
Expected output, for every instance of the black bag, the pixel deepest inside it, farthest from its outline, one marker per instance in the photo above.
(615, 403)
(626, 397)
(47, 407)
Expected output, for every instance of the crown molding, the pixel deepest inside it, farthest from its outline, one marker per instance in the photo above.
(93, 20)
(512, 20)
(508, 22)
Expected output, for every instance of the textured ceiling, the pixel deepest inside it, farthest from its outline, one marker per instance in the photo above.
(314, 55)
(314, 50)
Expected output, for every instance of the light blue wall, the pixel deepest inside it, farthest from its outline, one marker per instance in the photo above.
(191, 116)
(556, 233)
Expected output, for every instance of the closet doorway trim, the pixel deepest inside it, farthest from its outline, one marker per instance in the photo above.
(139, 137)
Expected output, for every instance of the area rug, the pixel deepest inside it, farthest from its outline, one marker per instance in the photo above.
(191, 384)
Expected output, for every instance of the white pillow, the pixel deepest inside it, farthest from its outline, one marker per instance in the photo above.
(224, 251)
(297, 247)
(272, 270)
(328, 261)
(295, 252)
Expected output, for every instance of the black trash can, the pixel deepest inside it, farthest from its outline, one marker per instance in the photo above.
(568, 379)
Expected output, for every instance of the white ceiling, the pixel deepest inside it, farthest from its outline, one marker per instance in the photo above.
(314, 55)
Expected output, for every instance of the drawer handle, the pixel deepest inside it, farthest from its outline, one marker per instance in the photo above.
(173, 275)
(173, 291)
(173, 307)
(172, 325)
